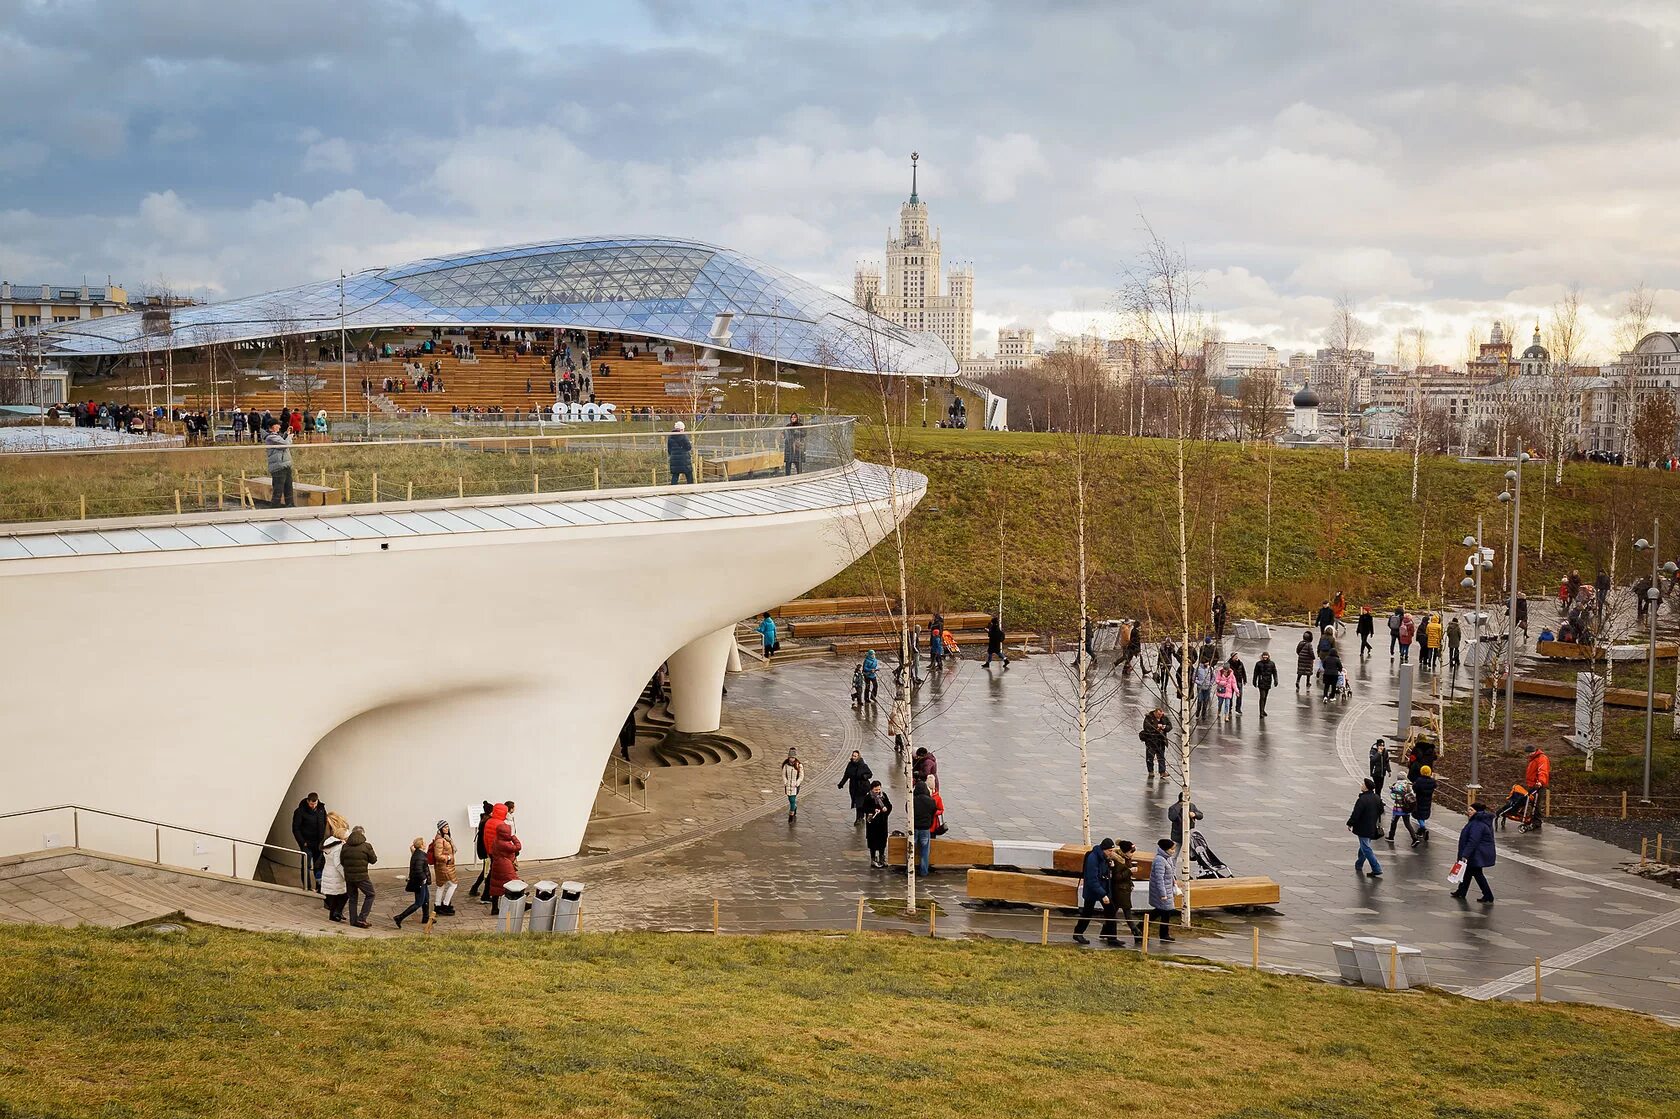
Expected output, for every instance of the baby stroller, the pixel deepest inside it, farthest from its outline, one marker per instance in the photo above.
(1519, 806)
(1209, 864)
(1343, 689)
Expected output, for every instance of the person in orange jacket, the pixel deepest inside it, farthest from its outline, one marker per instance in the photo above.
(1538, 778)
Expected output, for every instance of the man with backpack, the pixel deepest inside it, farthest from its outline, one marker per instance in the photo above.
(1265, 678)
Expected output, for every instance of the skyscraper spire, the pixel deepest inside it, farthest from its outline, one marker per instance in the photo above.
(914, 156)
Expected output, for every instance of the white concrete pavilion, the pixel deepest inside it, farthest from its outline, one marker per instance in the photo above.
(208, 670)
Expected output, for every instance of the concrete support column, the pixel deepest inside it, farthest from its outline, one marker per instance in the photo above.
(697, 681)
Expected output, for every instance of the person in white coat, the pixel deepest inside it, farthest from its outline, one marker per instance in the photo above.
(334, 890)
(793, 775)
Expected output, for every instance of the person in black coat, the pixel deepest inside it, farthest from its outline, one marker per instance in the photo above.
(1365, 822)
(419, 884)
(679, 448)
(858, 776)
(481, 844)
(1423, 790)
(877, 812)
(1098, 893)
(1475, 847)
(1325, 618)
(1381, 766)
(1220, 613)
(1241, 673)
(1156, 727)
(923, 813)
(1265, 678)
(309, 829)
(994, 642)
(1304, 661)
(1365, 628)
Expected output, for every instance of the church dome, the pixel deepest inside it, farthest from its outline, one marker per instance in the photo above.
(1306, 398)
(1537, 352)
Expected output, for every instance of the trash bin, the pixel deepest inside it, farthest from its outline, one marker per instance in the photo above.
(541, 918)
(566, 909)
(512, 906)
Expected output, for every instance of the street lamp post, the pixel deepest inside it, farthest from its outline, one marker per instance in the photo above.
(1652, 597)
(1514, 496)
(1477, 563)
(343, 358)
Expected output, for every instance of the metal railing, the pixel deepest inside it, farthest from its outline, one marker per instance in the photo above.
(134, 848)
(120, 482)
(625, 781)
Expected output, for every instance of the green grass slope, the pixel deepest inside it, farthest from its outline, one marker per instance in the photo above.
(217, 1023)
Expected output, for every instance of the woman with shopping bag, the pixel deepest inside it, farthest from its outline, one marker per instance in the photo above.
(1475, 853)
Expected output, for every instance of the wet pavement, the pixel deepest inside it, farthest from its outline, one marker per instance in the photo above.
(1276, 794)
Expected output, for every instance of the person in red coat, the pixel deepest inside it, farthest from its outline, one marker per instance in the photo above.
(504, 863)
(1538, 777)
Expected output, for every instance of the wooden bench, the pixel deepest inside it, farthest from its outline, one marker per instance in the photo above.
(818, 607)
(948, 853)
(1632, 651)
(742, 465)
(303, 493)
(869, 627)
(1561, 689)
(968, 639)
(1047, 891)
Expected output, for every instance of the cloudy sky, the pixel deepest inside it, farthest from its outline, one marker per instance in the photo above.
(1442, 162)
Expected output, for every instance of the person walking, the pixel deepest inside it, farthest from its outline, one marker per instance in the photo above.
(679, 450)
(1476, 848)
(1330, 663)
(924, 811)
(936, 642)
(994, 642)
(793, 775)
(1380, 763)
(1325, 618)
(859, 777)
(793, 446)
(504, 861)
(1423, 803)
(1097, 892)
(419, 884)
(1365, 822)
(1402, 802)
(767, 631)
(877, 814)
(871, 676)
(1394, 621)
(309, 831)
(358, 855)
(1175, 819)
(481, 848)
(1365, 627)
(1408, 630)
(1225, 685)
(1124, 858)
(1538, 777)
(1220, 612)
(1522, 612)
(334, 891)
(279, 465)
(1156, 726)
(1304, 660)
(1241, 674)
(1455, 634)
(1163, 887)
(1203, 679)
(1265, 679)
(442, 857)
(1434, 637)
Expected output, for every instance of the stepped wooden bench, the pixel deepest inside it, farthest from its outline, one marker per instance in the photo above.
(1050, 892)
(303, 493)
(742, 465)
(972, 639)
(1565, 689)
(1066, 857)
(817, 607)
(1573, 651)
(869, 627)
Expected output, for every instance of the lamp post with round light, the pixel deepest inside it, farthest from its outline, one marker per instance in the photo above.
(1480, 560)
(1653, 596)
(1513, 478)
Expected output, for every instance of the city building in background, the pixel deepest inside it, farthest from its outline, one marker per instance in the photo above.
(27, 305)
(914, 291)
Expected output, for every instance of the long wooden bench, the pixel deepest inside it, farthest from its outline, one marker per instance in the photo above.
(742, 465)
(1632, 651)
(949, 853)
(822, 607)
(1565, 689)
(303, 493)
(852, 646)
(860, 627)
(1050, 892)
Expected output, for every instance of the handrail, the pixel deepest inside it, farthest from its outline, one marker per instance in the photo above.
(77, 809)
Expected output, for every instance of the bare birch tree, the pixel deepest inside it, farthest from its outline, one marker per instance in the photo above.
(1348, 332)
(1632, 325)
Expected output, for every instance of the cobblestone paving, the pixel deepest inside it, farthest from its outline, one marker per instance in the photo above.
(1276, 794)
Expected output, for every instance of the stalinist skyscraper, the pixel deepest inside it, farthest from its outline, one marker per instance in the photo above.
(914, 295)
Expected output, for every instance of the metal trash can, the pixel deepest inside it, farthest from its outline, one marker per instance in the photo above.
(567, 907)
(512, 907)
(541, 917)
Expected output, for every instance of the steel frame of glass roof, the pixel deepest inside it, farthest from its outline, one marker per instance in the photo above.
(641, 286)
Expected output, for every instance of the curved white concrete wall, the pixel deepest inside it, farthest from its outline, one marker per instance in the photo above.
(403, 679)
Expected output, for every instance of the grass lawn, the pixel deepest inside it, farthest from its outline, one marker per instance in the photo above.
(218, 1023)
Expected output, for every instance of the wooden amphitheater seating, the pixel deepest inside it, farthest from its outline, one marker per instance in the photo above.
(1051, 892)
(869, 627)
(820, 607)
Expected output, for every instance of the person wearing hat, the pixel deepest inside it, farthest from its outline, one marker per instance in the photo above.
(1380, 763)
(1423, 793)
(1538, 778)
(1475, 847)
(442, 857)
(679, 448)
(279, 464)
(1097, 890)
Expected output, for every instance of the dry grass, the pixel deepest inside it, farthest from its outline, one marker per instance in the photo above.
(217, 1023)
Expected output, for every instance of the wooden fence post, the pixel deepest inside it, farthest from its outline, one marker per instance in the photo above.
(714, 916)
(597, 477)
(177, 503)
(346, 487)
(933, 918)
(376, 487)
(1044, 936)
(1624, 804)
(1394, 966)
(536, 483)
(411, 491)
(1537, 979)
(1146, 917)
(859, 914)
(1256, 947)
(219, 504)
(84, 506)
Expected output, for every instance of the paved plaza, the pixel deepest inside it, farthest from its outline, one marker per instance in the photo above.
(1275, 793)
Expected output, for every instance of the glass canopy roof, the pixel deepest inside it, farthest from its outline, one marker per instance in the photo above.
(641, 286)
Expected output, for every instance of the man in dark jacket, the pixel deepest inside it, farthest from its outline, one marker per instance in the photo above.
(1475, 847)
(358, 856)
(1175, 817)
(1325, 618)
(994, 642)
(1098, 891)
(309, 830)
(1365, 822)
(924, 810)
(1380, 763)
(1304, 661)
(1241, 673)
(1265, 678)
(1455, 634)
(481, 844)
(679, 448)
(1156, 727)
(1366, 626)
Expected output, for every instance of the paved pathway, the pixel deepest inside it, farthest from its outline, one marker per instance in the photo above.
(1276, 794)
